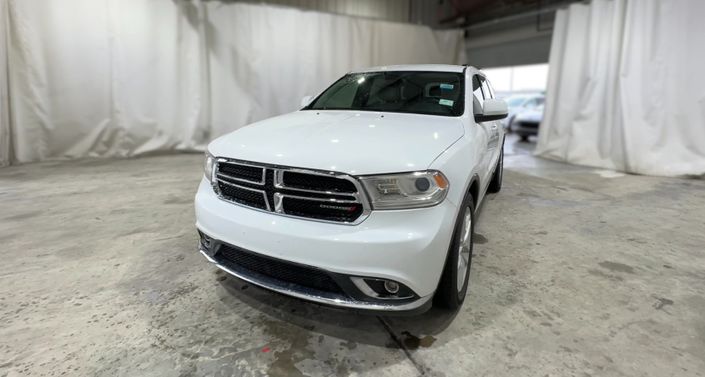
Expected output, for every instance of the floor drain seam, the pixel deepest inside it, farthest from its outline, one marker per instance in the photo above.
(419, 366)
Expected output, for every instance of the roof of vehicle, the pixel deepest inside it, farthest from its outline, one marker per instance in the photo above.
(415, 67)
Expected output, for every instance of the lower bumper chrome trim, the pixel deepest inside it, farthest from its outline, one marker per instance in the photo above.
(277, 286)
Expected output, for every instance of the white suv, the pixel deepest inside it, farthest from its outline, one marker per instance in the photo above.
(366, 197)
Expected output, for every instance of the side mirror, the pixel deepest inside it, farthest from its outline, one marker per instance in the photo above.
(306, 101)
(492, 109)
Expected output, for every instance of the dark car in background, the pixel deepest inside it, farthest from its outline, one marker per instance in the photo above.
(527, 122)
(518, 103)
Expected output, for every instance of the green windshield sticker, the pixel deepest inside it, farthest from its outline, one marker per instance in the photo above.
(445, 102)
(447, 86)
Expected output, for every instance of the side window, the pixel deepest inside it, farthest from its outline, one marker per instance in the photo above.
(477, 96)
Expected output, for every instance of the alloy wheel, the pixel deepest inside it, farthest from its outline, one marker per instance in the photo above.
(464, 248)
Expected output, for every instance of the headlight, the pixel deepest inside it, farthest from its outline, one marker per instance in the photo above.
(407, 190)
(208, 167)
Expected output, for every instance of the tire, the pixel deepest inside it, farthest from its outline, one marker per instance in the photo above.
(496, 182)
(450, 293)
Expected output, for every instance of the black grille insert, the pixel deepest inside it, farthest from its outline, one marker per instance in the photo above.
(329, 210)
(305, 276)
(241, 195)
(245, 172)
(317, 182)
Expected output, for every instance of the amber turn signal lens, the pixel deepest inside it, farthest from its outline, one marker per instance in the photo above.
(440, 181)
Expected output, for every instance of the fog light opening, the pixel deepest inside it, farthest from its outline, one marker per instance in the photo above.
(382, 288)
(391, 286)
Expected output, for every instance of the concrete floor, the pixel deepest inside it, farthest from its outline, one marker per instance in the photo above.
(576, 272)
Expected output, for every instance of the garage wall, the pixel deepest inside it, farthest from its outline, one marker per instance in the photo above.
(126, 77)
(625, 89)
(515, 44)
(517, 39)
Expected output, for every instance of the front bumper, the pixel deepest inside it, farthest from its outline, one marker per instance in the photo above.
(408, 247)
(417, 304)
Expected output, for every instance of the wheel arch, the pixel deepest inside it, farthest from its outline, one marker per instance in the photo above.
(474, 188)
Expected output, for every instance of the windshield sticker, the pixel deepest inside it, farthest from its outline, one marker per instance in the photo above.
(445, 102)
(447, 86)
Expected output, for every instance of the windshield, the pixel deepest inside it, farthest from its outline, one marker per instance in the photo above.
(435, 93)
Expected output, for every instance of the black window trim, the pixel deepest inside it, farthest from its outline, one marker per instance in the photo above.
(477, 77)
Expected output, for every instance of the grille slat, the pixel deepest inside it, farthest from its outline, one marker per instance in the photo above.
(317, 195)
(290, 191)
(310, 277)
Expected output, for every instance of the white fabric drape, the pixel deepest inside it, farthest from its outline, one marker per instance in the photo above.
(625, 88)
(125, 77)
(4, 98)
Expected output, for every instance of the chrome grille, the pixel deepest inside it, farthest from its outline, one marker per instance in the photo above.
(311, 194)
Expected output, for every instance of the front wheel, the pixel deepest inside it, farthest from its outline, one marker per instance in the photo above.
(454, 281)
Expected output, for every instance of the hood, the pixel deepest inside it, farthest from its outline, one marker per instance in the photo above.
(344, 141)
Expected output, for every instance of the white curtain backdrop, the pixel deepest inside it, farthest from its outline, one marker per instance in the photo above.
(4, 99)
(626, 89)
(126, 77)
